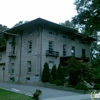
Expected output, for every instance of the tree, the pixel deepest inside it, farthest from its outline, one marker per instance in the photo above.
(78, 71)
(45, 73)
(2, 38)
(69, 24)
(54, 72)
(96, 70)
(3, 27)
(60, 73)
(20, 23)
(88, 15)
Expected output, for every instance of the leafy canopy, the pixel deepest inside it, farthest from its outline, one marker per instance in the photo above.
(88, 17)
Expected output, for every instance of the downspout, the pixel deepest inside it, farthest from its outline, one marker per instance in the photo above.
(20, 57)
(40, 28)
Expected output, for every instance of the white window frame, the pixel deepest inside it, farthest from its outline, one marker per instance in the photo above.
(64, 50)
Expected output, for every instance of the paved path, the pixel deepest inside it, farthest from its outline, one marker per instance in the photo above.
(47, 93)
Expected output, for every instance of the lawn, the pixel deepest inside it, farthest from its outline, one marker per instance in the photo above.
(8, 95)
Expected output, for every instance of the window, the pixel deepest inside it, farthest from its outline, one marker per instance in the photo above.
(29, 66)
(83, 53)
(51, 43)
(51, 63)
(12, 68)
(64, 49)
(29, 46)
(13, 49)
(73, 51)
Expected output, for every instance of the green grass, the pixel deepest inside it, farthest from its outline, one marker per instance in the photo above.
(8, 95)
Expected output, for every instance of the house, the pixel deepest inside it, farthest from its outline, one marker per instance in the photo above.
(32, 44)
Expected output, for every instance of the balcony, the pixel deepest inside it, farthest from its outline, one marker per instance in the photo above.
(52, 53)
(12, 54)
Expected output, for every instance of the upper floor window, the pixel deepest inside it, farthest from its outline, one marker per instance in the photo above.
(51, 45)
(29, 46)
(73, 51)
(13, 49)
(29, 67)
(83, 53)
(64, 49)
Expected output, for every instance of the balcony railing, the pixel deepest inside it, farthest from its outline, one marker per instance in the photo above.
(12, 54)
(52, 53)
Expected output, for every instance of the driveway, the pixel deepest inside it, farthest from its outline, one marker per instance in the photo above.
(47, 93)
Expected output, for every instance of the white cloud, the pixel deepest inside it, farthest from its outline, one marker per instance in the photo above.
(13, 11)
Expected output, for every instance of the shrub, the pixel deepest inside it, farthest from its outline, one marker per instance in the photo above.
(45, 73)
(77, 71)
(54, 72)
(81, 86)
(97, 86)
(37, 94)
(51, 80)
(58, 82)
(60, 73)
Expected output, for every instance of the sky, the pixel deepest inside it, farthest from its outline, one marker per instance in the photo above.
(13, 11)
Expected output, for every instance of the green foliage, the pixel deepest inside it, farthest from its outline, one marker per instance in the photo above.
(8, 95)
(96, 70)
(54, 72)
(88, 15)
(81, 86)
(69, 24)
(97, 86)
(2, 41)
(58, 82)
(51, 80)
(45, 73)
(60, 73)
(3, 27)
(77, 71)
(20, 23)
